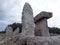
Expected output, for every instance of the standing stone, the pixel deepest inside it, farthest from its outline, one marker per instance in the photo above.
(16, 32)
(9, 32)
(41, 23)
(27, 21)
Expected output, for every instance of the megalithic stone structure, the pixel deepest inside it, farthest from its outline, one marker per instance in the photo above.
(27, 21)
(41, 23)
(9, 32)
(16, 32)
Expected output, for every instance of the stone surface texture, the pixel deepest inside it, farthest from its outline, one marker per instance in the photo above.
(41, 24)
(42, 15)
(54, 40)
(2, 36)
(16, 32)
(42, 28)
(9, 32)
(27, 21)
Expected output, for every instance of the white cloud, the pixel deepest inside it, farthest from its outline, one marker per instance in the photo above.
(13, 9)
(3, 24)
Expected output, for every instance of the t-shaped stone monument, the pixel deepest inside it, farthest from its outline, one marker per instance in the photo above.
(27, 21)
(41, 23)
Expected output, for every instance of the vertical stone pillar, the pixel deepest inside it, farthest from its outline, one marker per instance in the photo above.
(27, 21)
(42, 28)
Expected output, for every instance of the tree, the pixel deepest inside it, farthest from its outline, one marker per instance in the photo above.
(15, 25)
(54, 30)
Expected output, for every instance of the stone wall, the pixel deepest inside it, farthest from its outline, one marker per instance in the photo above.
(2, 36)
(54, 40)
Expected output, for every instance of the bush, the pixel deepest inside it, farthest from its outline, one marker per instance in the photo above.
(54, 30)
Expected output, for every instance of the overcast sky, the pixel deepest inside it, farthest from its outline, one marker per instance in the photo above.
(10, 11)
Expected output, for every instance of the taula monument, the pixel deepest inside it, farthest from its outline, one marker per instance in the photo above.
(34, 30)
(41, 23)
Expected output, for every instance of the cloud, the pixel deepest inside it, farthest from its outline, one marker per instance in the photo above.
(11, 10)
(49, 6)
(2, 15)
(3, 24)
(8, 12)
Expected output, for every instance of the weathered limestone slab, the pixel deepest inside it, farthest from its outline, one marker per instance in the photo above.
(42, 15)
(9, 32)
(41, 24)
(27, 21)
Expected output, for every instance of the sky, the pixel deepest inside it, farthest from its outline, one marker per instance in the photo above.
(11, 11)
